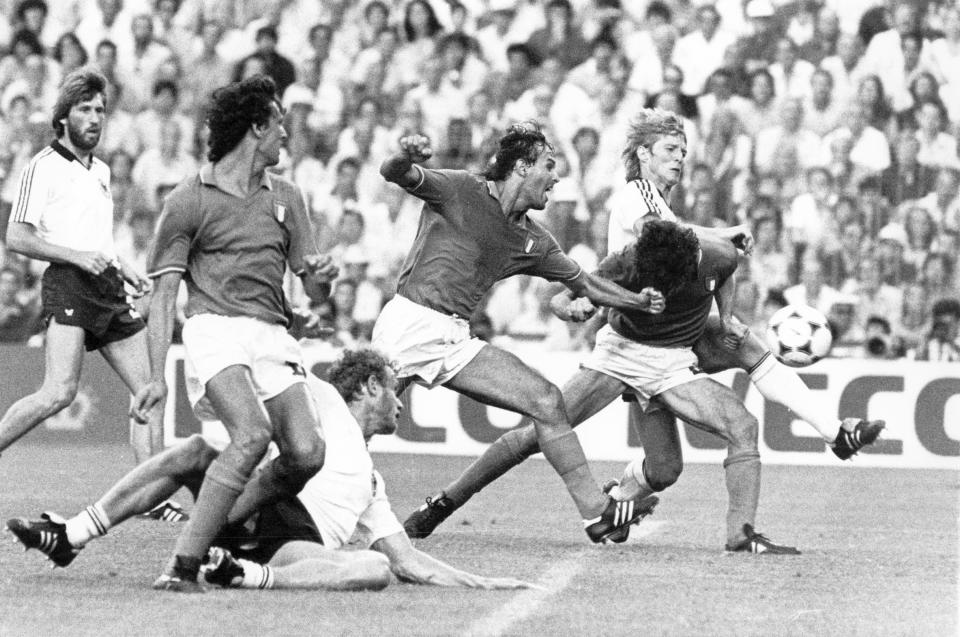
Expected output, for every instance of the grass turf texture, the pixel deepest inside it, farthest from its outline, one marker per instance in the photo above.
(880, 558)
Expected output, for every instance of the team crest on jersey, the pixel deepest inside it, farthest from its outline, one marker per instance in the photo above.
(528, 246)
(281, 211)
(711, 283)
(106, 190)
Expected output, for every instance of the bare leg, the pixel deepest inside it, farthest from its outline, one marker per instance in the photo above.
(500, 379)
(663, 456)
(301, 453)
(584, 395)
(131, 360)
(64, 360)
(234, 399)
(714, 407)
(313, 566)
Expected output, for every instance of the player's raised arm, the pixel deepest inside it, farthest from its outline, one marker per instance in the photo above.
(416, 567)
(401, 168)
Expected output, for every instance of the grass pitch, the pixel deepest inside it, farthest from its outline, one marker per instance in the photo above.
(880, 557)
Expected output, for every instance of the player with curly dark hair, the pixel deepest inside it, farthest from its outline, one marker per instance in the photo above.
(233, 229)
(473, 232)
(354, 368)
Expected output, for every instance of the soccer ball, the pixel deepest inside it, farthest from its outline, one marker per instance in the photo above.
(798, 335)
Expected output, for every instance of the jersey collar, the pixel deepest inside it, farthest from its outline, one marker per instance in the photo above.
(65, 152)
(207, 178)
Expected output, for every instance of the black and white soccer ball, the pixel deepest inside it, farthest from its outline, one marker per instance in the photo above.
(798, 335)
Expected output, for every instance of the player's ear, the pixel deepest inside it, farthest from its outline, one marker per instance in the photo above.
(372, 385)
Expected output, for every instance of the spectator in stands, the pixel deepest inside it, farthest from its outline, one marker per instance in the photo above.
(276, 65)
(875, 209)
(845, 67)
(369, 299)
(133, 239)
(13, 65)
(138, 61)
(826, 33)
(937, 275)
(686, 104)
(943, 201)
(866, 147)
(813, 289)
(875, 298)
(208, 68)
(938, 149)
(166, 164)
(878, 339)
(843, 262)
(822, 111)
(889, 250)
(591, 74)
(105, 59)
(791, 74)
(127, 195)
(942, 342)
(921, 232)
(420, 33)
(906, 178)
(787, 149)
(493, 38)
(762, 111)
(700, 52)
(923, 87)
(103, 20)
(913, 320)
(69, 53)
(764, 32)
(164, 109)
(560, 37)
(810, 220)
(463, 69)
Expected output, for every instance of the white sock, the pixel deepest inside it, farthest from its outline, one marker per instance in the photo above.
(256, 575)
(90, 523)
(633, 483)
(779, 383)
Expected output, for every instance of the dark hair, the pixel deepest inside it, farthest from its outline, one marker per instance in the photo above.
(321, 26)
(658, 8)
(79, 86)
(236, 107)
(63, 39)
(110, 44)
(28, 37)
(26, 5)
(433, 25)
(667, 255)
(350, 372)
(524, 50)
(166, 85)
(524, 141)
(374, 5)
(350, 161)
(267, 31)
(946, 306)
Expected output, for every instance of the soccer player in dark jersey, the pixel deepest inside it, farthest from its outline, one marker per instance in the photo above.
(63, 214)
(654, 156)
(473, 232)
(230, 232)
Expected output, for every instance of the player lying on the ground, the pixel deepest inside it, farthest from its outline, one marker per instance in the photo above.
(654, 356)
(292, 543)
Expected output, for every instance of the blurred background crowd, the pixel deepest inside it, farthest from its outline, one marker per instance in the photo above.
(830, 126)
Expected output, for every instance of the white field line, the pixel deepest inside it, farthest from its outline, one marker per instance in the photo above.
(553, 581)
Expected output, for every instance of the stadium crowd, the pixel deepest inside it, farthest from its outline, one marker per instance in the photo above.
(830, 126)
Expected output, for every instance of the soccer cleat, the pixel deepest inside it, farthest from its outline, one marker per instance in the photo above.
(759, 543)
(428, 517)
(617, 516)
(47, 535)
(622, 534)
(854, 435)
(221, 568)
(180, 576)
(168, 511)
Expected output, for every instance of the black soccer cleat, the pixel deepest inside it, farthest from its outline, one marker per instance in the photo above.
(622, 534)
(221, 568)
(180, 576)
(47, 535)
(428, 517)
(168, 511)
(860, 434)
(759, 543)
(617, 516)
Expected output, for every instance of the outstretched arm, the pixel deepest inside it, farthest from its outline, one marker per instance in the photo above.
(734, 332)
(740, 235)
(600, 291)
(416, 567)
(399, 169)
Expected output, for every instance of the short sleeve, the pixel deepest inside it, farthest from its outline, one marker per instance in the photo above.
(378, 520)
(303, 240)
(555, 265)
(33, 192)
(176, 229)
(437, 187)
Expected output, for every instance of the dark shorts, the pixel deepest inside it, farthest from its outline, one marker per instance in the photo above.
(274, 525)
(98, 304)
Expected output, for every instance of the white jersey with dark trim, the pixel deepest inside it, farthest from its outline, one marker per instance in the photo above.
(630, 204)
(346, 498)
(69, 204)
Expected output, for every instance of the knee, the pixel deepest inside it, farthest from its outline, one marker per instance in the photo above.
(662, 473)
(305, 456)
(196, 455)
(59, 396)
(548, 406)
(251, 443)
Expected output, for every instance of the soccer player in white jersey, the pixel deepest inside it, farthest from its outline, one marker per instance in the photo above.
(292, 543)
(63, 214)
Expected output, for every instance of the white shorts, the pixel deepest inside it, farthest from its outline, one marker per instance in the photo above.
(212, 343)
(423, 343)
(647, 370)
